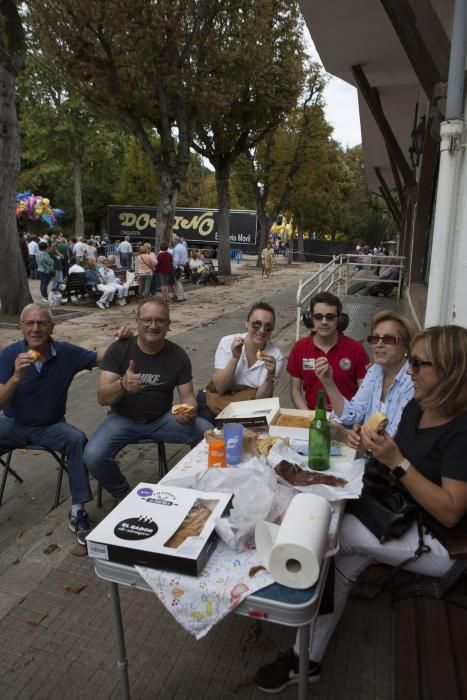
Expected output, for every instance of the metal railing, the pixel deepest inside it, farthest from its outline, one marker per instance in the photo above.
(336, 275)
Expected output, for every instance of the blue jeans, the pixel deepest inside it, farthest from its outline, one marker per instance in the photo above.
(117, 431)
(125, 260)
(63, 438)
(45, 278)
(57, 278)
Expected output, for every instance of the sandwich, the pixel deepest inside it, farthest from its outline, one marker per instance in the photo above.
(264, 445)
(261, 355)
(34, 355)
(377, 422)
(182, 408)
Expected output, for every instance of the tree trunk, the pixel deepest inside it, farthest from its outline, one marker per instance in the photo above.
(14, 288)
(223, 199)
(264, 228)
(78, 199)
(165, 209)
(300, 248)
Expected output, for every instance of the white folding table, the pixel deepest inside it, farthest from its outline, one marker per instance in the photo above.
(275, 603)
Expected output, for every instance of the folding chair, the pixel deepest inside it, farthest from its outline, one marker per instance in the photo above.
(162, 459)
(7, 469)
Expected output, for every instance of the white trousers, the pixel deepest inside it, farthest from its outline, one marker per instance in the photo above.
(358, 549)
(108, 292)
(178, 289)
(121, 289)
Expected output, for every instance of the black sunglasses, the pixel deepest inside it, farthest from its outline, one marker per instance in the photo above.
(268, 327)
(387, 339)
(328, 317)
(416, 363)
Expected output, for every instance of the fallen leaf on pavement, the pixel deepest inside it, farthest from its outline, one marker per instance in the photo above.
(73, 589)
(51, 548)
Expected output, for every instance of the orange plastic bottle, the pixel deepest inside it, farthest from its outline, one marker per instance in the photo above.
(216, 454)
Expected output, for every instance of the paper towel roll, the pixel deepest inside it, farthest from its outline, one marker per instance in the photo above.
(292, 552)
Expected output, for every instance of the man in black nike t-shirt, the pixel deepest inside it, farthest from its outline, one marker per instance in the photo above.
(137, 382)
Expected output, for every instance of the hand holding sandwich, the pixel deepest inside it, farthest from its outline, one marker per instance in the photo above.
(23, 362)
(323, 371)
(381, 446)
(269, 362)
(184, 413)
(378, 443)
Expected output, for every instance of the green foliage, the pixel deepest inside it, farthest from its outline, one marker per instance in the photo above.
(137, 184)
(143, 63)
(57, 130)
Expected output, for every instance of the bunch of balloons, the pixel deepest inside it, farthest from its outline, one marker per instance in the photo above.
(36, 208)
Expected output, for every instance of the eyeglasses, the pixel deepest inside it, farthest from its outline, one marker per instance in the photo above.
(328, 317)
(386, 339)
(157, 321)
(416, 363)
(268, 327)
(39, 324)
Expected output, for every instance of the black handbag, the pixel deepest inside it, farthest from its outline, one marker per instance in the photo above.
(385, 507)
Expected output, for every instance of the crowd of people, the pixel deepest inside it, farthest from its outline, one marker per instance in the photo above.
(418, 379)
(51, 259)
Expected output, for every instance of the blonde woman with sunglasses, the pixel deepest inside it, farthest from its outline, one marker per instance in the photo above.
(427, 455)
(386, 387)
(246, 365)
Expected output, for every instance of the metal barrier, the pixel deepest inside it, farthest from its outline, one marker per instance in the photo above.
(334, 277)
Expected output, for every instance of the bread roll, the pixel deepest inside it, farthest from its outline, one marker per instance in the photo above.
(182, 408)
(260, 355)
(35, 355)
(377, 422)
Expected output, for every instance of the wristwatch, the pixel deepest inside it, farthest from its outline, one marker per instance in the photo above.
(402, 469)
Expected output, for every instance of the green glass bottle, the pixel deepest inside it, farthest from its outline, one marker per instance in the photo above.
(319, 442)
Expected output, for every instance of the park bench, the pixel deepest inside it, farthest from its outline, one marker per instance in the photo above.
(133, 289)
(430, 641)
(75, 285)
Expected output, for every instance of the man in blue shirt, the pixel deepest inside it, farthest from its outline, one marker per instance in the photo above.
(35, 375)
(179, 260)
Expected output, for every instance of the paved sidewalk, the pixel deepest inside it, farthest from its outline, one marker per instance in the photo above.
(56, 631)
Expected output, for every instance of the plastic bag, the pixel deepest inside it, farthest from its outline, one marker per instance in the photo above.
(52, 299)
(257, 496)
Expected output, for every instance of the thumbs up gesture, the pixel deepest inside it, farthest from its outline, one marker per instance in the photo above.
(132, 379)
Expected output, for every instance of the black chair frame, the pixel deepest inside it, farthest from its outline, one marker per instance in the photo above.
(162, 463)
(7, 469)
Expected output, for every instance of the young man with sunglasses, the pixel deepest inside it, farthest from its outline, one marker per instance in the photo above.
(326, 346)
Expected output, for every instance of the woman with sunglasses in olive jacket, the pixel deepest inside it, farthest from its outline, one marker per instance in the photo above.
(246, 365)
(386, 387)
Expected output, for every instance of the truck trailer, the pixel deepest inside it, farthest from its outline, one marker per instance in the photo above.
(199, 227)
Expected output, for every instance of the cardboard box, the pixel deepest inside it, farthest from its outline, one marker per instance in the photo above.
(139, 530)
(290, 432)
(253, 414)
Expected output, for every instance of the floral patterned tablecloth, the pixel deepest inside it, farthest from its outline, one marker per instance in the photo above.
(199, 602)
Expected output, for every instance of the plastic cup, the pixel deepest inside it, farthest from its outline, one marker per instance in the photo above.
(216, 453)
(233, 439)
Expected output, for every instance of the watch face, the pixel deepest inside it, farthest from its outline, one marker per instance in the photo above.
(399, 472)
